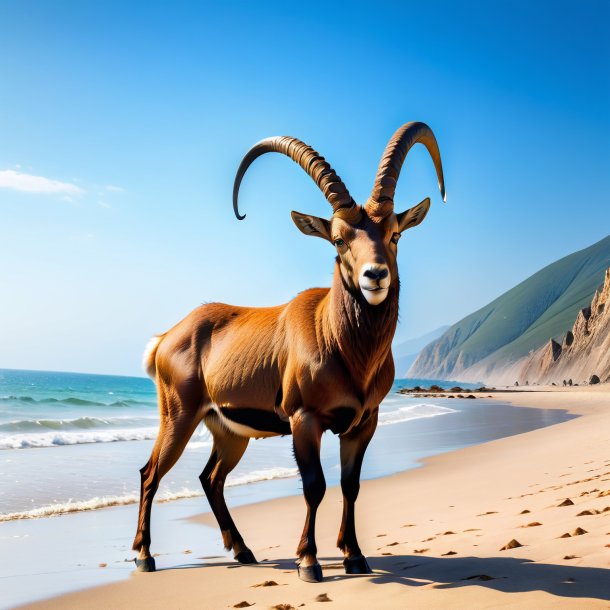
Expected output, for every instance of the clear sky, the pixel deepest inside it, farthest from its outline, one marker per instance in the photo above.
(122, 125)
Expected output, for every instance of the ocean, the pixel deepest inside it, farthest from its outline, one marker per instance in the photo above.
(74, 442)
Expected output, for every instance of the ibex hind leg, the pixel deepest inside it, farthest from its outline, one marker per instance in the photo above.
(178, 422)
(227, 450)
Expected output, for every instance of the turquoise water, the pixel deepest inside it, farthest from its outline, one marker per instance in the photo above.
(71, 442)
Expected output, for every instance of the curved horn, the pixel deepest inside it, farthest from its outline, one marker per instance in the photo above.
(381, 201)
(311, 161)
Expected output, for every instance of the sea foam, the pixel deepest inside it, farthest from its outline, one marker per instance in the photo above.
(54, 510)
(418, 411)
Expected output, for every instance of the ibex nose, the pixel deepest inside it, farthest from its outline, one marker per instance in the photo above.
(378, 273)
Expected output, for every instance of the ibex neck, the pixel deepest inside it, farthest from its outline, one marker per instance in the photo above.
(362, 333)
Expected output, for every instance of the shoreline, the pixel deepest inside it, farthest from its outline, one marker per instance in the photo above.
(432, 568)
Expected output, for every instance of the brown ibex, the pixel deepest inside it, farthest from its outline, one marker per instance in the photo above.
(320, 362)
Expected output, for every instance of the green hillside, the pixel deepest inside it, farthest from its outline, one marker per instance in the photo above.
(543, 306)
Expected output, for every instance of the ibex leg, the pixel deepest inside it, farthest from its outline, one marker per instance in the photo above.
(306, 434)
(174, 433)
(353, 447)
(227, 450)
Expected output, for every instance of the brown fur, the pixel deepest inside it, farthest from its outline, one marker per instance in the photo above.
(321, 362)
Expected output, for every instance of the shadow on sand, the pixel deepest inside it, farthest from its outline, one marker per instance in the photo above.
(504, 574)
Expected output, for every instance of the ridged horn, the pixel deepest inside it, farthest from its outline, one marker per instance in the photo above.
(310, 160)
(381, 202)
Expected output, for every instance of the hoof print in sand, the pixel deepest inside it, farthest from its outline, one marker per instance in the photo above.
(266, 583)
(323, 598)
(513, 544)
(566, 502)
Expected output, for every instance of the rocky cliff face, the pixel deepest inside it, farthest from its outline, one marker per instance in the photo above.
(584, 351)
(493, 344)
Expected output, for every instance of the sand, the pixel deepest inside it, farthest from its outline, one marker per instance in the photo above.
(484, 527)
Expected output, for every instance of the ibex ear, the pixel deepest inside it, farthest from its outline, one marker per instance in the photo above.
(311, 225)
(413, 216)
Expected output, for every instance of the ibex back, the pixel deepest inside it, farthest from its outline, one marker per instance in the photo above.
(321, 362)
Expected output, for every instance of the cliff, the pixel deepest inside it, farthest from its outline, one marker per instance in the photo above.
(584, 351)
(491, 344)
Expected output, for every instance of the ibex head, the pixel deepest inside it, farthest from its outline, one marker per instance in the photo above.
(365, 237)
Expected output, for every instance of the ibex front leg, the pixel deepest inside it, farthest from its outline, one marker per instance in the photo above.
(353, 446)
(306, 434)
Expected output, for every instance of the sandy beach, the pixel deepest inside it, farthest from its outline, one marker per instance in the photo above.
(434, 535)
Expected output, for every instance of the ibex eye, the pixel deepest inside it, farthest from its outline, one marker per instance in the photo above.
(395, 238)
(339, 243)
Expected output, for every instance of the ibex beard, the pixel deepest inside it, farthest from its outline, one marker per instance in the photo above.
(321, 362)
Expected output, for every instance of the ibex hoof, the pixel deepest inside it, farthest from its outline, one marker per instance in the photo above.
(357, 565)
(246, 557)
(310, 573)
(146, 565)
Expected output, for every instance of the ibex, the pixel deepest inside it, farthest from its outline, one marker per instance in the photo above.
(321, 362)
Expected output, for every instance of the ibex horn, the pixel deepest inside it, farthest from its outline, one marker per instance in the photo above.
(311, 161)
(381, 202)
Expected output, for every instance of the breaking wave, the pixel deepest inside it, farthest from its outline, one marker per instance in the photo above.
(60, 439)
(72, 401)
(54, 510)
(418, 411)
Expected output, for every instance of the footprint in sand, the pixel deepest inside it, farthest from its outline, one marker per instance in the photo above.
(566, 502)
(525, 512)
(243, 604)
(489, 512)
(420, 551)
(532, 524)
(571, 557)
(323, 597)
(387, 553)
(479, 577)
(448, 553)
(382, 535)
(473, 529)
(512, 544)
(577, 532)
(266, 583)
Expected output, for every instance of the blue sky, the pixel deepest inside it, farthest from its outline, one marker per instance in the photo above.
(122, 125)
